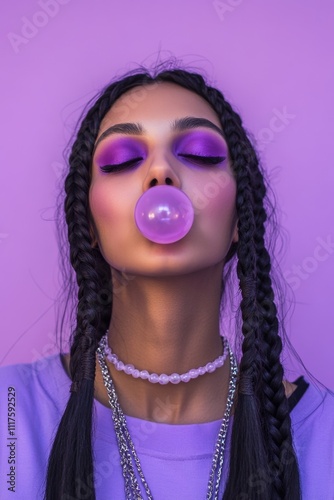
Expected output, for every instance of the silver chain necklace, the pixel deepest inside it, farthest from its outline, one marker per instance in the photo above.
(127, 451)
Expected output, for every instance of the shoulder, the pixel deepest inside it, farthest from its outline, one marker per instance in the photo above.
(44, 379)
(32, 399)
(35, 370)
(312, 421)
(314, 401)
(313, 409)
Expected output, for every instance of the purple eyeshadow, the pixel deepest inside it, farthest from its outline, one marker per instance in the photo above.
(200, 143)
(197, 143)
(119, 151)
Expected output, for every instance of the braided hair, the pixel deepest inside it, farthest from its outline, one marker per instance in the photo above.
(263, 463)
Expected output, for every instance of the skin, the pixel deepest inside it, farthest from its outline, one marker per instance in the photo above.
(162, 321)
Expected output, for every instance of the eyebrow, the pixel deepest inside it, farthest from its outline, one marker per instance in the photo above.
(178, 125)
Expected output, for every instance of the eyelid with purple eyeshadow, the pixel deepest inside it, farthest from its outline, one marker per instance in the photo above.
(120, 151)
(126, 152)
(201, 144)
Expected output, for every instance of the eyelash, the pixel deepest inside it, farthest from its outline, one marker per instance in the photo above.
(202, 160)
(206, 160)
(121, 166)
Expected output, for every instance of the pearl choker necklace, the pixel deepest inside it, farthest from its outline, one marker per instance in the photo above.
(163, 379)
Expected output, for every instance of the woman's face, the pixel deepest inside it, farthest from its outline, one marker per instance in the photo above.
(153, 149)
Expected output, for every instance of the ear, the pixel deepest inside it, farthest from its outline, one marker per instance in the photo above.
(94, 242)
(235, 238)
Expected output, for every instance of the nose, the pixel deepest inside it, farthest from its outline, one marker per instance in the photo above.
(161, 172)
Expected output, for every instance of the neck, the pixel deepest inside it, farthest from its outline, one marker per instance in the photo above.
(168, 325)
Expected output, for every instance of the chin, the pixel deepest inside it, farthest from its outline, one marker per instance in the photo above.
(173, 267)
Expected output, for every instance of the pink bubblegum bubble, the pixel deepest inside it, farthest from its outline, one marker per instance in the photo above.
(164, 214)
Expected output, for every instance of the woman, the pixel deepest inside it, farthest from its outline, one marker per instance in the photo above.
(148, 316)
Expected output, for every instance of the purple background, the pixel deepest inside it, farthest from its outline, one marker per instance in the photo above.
(265, 56)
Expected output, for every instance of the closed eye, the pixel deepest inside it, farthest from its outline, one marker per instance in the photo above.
(204, 160)
(118, 167)
(201, 160)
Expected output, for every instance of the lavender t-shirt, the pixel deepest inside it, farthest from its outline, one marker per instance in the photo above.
(176, 459)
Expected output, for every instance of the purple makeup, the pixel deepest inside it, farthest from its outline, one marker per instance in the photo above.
(196, 146)
(200, 143)
(120, 151)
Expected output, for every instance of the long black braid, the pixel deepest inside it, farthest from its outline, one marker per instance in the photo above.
(263, 465)
(261, 391)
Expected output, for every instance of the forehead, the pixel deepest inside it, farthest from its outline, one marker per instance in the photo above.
(158, 102)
